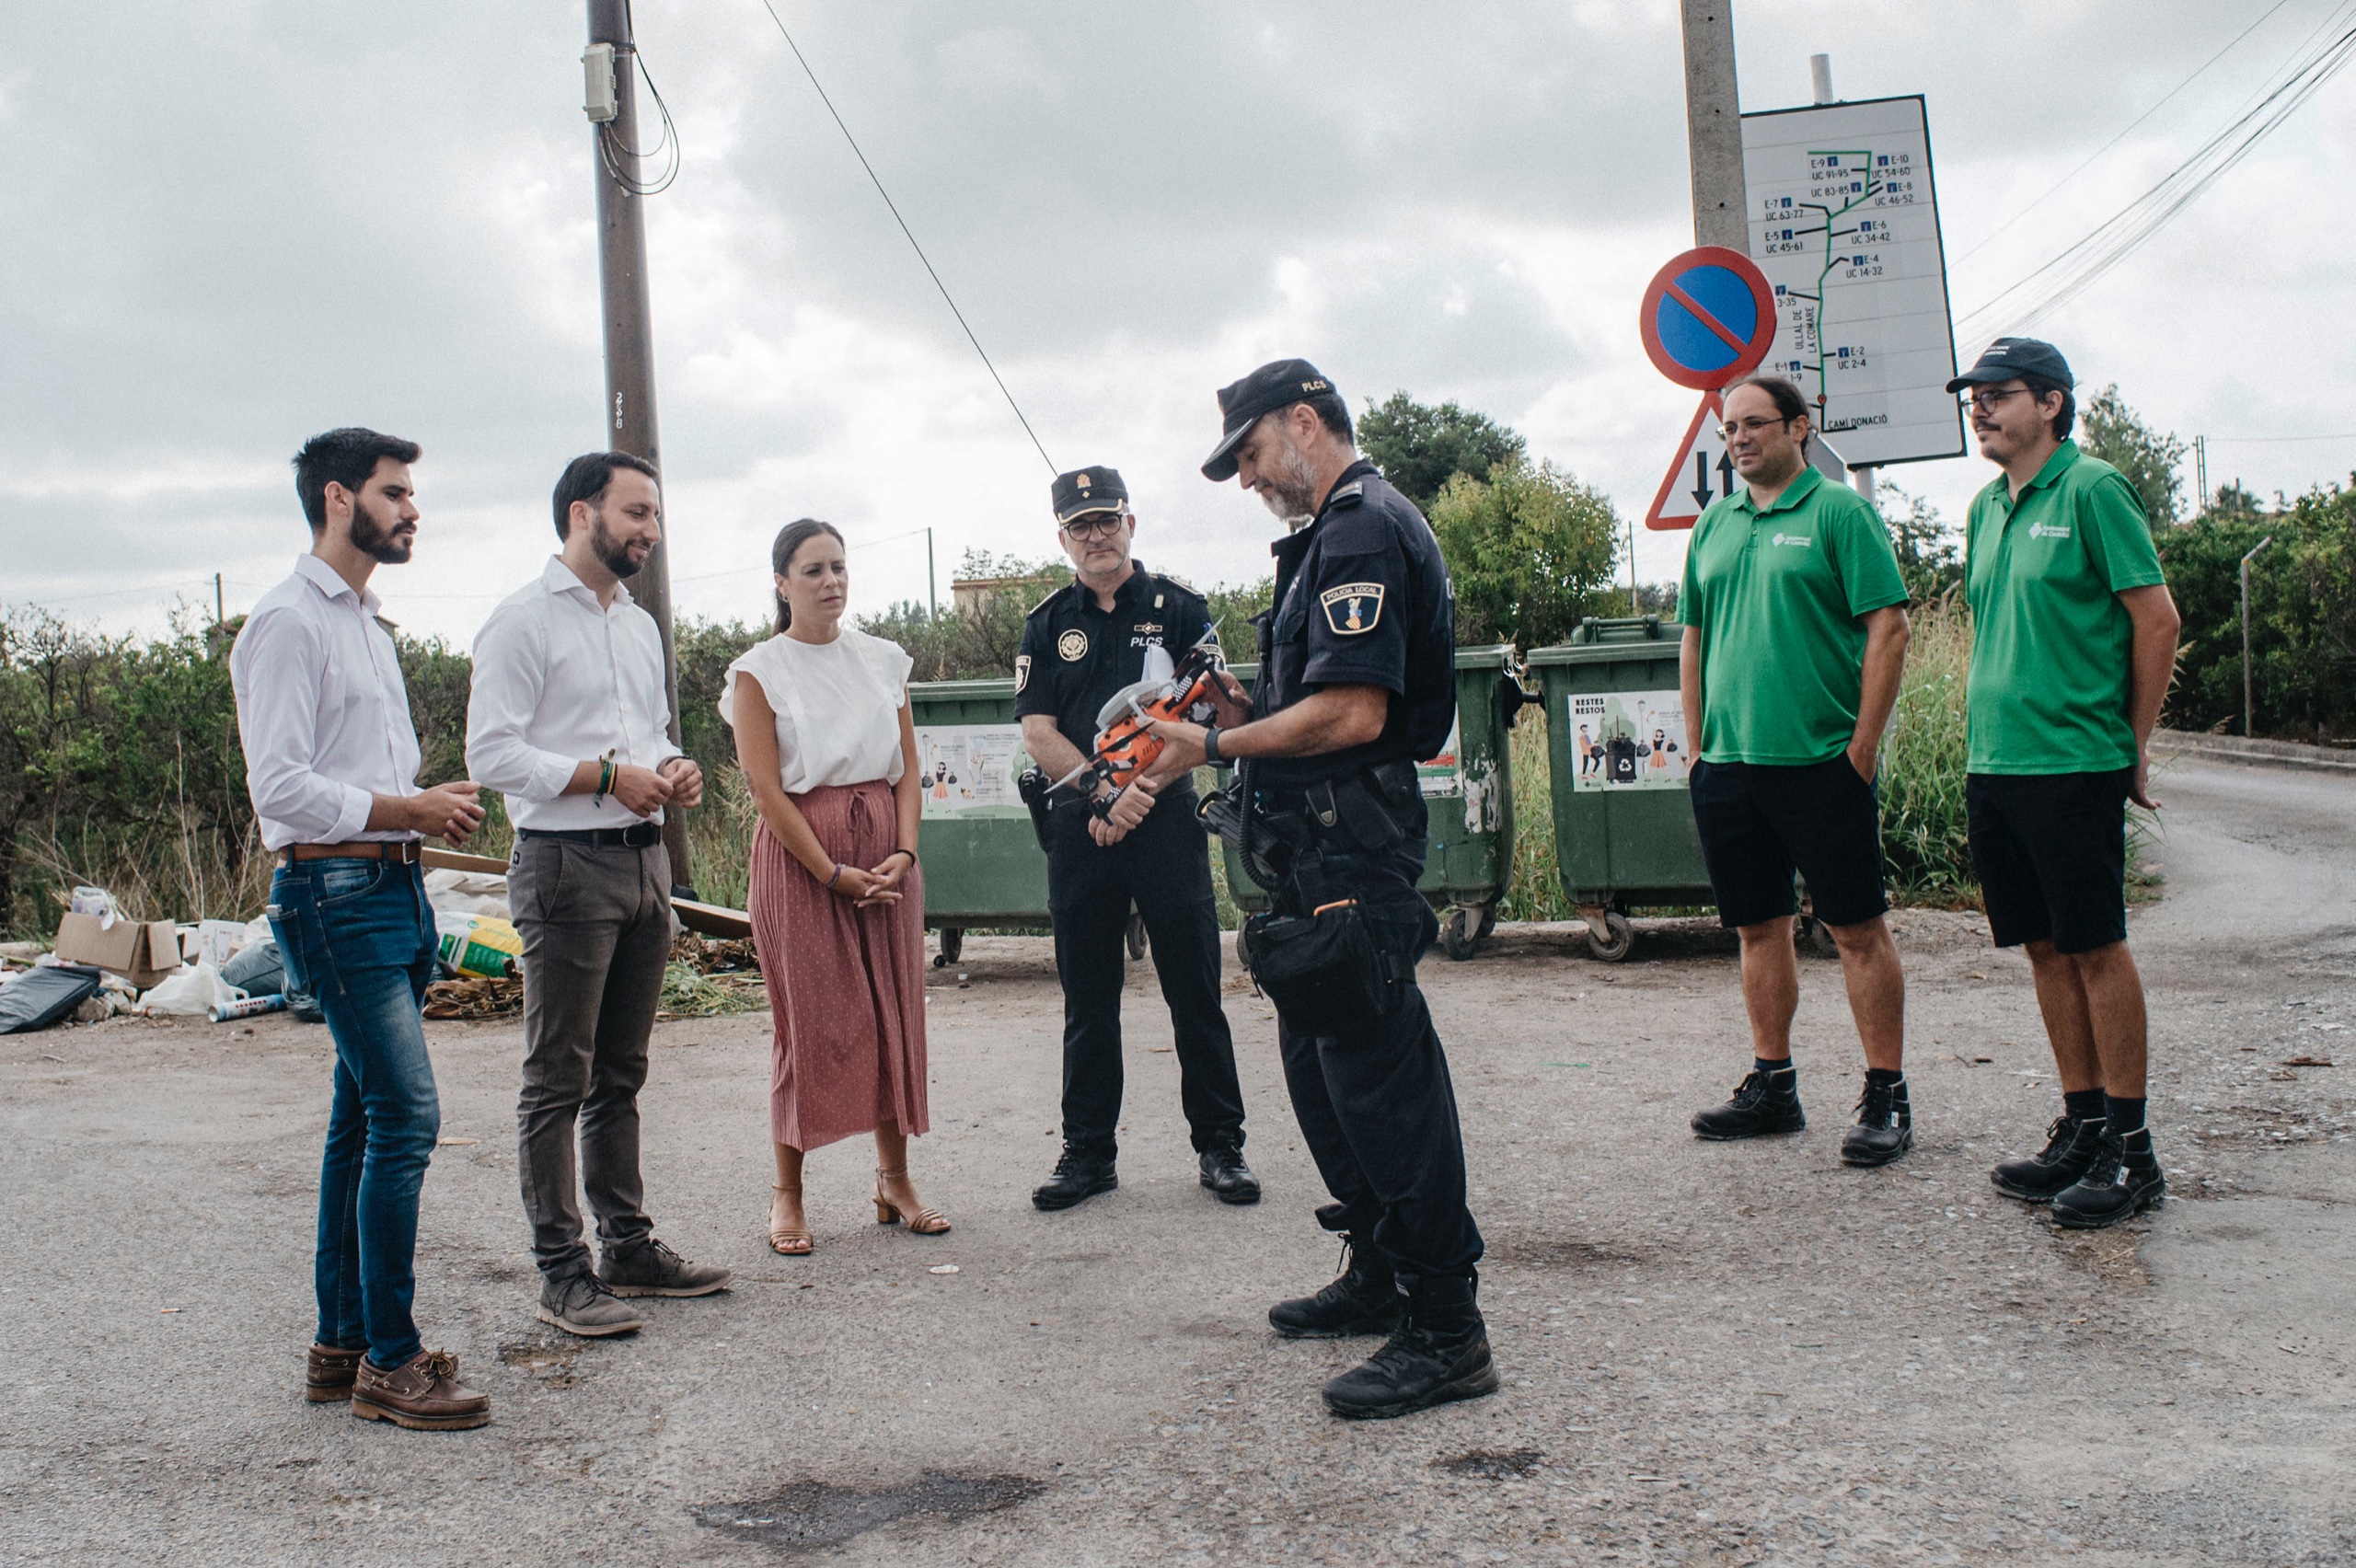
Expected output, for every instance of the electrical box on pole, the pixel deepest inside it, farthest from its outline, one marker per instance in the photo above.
(597, 100)
(628, 409)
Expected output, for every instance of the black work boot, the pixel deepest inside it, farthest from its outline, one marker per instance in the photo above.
(1228, 1177)
(1364, 1300)
(2070, 1147)
(1885, 1126)
(2123, 1181)
(1440, 1352)
(1079, 1175)
(1763, 1104)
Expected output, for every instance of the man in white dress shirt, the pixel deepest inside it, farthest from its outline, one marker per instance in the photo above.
(569, 720)
(332, 761)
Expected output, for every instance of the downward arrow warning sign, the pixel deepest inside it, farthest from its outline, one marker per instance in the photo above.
(1700, 474)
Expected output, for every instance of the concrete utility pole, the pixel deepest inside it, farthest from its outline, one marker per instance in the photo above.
(1714, 126)
(2249, 706)
(630, 338)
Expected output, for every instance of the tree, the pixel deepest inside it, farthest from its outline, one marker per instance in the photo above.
(2111, 431)
(2234, 499)
(1419, 448)
(1930, 555)
(1530, 547)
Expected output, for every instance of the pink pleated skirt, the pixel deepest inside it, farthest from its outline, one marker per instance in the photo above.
(845, 985)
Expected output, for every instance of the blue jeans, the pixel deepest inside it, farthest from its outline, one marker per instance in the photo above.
(359, 935)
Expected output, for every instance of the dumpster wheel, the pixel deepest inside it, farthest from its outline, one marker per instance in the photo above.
(1623, 939)
(1136, 936)
(1460, 937)
(953, 943)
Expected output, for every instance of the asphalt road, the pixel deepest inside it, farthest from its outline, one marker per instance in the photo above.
(1712, 1353)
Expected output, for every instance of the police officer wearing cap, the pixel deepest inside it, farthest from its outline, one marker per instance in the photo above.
(1115, 626)
(1357, 682)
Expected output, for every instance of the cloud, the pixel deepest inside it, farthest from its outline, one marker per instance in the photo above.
(233, 228)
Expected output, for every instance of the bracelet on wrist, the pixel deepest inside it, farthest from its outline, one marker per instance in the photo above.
(836, 878)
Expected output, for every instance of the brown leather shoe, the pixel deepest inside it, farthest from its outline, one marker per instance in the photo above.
(424, 1395)
(328, 1373)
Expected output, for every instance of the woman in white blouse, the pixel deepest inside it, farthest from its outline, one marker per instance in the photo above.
(830, 748)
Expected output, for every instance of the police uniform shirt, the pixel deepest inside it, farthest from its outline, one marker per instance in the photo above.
(1362, 598)
(1075, 655)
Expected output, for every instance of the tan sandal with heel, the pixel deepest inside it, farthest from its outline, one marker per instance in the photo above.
(926, 1221)
(790, 1242)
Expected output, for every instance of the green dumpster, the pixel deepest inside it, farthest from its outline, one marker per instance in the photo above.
(983, 866)
(1468, 790)
(1616, 746)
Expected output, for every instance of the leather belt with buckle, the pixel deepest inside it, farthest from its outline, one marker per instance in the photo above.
(637, 836)
(405, 850)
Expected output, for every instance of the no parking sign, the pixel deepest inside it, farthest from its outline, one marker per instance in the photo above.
(1707, 320)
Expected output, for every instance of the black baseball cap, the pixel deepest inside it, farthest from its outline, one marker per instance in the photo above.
(1084, 490)
(1278, 385)
(2008, 357)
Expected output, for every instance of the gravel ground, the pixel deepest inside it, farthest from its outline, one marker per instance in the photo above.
(1712, 1353)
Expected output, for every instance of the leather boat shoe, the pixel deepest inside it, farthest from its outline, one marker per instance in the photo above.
(424, 1394)
(328, 1373)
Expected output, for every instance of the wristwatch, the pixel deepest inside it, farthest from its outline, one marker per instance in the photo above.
(1210, 745)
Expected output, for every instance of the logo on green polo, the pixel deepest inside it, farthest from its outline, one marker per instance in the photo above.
(1800, 540)
(2049, 530)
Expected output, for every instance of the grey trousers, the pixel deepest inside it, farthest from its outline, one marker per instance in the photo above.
(596, 929)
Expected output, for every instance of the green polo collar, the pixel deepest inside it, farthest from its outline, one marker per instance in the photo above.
(2063, 456)
(1798, 491)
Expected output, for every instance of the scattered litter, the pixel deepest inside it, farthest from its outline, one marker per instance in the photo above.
(250, 1007)
(478, 946)
(942, 1268)
(192, 991)
(41, 996)
(2306, 1061)
(730, 955)
(687, 994)
(474, 998)
(455, 1143)
(468, 893)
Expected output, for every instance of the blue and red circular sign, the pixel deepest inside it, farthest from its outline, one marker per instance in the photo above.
(1708, 317)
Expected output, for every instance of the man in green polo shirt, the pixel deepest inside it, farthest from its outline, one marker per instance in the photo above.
(1794, 638)
(2073, 642)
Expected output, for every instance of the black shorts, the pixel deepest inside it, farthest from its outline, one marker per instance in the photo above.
(2051, 853)
(1758, 824)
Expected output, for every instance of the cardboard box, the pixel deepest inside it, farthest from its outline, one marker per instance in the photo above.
(141, 952)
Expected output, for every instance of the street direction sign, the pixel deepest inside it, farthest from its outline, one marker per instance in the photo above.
(1845, 225)
(1708, 317)
(1701, 474)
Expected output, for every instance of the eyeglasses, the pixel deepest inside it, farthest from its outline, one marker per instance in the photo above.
(1982, 402)
(1733, 427)
(1095, 526)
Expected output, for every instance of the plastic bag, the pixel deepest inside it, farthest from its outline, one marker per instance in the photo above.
(466, 892)
(191, 992)
(39, 998)
(479, 945)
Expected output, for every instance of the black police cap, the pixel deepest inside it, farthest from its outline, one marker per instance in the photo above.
(1279, 384)
(2008, 357)
(1084, 490)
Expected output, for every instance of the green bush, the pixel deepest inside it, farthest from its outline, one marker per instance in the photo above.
(1923, 763)
(2302, 617)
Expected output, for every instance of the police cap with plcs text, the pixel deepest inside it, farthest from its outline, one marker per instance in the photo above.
(1277, 385)
(2008, 357)
(1084, 490)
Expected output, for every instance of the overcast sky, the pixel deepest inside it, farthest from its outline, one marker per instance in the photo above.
(230, 226)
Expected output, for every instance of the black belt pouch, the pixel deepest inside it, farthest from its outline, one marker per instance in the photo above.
(1324, 970)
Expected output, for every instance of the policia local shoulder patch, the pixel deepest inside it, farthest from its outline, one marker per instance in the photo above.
(1353, 607)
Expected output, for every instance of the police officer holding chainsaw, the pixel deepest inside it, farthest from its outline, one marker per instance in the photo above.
(1357, 682)
(1116, 629)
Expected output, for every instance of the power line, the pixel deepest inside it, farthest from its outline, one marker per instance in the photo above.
(2269, 440)
(910, 234)
(2077, 268)
(2122, 134)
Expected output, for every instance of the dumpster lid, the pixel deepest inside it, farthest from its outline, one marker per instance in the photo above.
(1607, 638)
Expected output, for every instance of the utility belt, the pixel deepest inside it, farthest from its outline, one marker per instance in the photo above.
(1323, 967)
(1044, 799)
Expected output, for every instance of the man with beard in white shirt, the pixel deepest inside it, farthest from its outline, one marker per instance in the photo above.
(331, 760)
(569, 720)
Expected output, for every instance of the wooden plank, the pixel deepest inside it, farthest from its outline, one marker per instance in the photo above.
(704, 919)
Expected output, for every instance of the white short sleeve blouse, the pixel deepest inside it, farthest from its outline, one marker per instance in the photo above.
(837, 705)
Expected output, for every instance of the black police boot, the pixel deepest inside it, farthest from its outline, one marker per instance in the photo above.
(2070, 1149)
(1079, 1175)
(1885, 1126)
(1228, 1177)
(2123, 1181)
(1763, 1104)
(1440, 1352)
(1364, 1300)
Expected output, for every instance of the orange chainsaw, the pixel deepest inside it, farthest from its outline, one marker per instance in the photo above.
(1126, 744)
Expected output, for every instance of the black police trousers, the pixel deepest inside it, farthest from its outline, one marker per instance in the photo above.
(1163, 868)
(1375, 1101)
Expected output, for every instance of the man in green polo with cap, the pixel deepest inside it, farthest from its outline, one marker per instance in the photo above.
(2073, 643)
(1794, 638)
